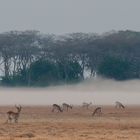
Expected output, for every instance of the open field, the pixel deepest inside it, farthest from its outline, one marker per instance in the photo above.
(39, 123)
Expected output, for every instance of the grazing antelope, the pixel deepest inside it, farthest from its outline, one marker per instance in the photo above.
(14, 115)
(66, 106)
(57, 107)
(86, 105)
(119, 105)
(98, 111)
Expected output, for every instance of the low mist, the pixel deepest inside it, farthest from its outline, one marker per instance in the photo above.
(98, 91)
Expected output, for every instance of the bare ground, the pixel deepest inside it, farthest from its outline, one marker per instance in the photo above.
(39, 123)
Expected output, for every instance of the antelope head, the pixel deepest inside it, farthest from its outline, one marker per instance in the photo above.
(18, 108)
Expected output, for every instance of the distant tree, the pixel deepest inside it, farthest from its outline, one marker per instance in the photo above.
(70, 71)
(43, 73)
(31, 58)
(115, 68)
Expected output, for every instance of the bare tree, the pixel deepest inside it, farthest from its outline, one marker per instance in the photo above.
(57, 107)
(14, 115)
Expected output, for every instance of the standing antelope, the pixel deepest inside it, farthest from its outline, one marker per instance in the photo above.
(98, 111)
(119, 105)
(56, 107)
(14, 115)
(86, 105)
(66, 106)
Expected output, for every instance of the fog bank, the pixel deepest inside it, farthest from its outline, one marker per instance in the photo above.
(98, 91)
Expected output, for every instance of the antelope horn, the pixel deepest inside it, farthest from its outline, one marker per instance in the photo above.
(20, 106)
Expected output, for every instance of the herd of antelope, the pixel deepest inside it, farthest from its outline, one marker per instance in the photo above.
(14, 116)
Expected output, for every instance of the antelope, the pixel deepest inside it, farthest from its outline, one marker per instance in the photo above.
(56, 107)
(86, 105)
(97, 110)
(14, 115)
(119, 105)
(66, 106)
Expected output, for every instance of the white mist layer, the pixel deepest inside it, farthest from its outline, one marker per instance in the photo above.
(97, 91)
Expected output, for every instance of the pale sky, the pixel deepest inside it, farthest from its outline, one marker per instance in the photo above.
(66, 16)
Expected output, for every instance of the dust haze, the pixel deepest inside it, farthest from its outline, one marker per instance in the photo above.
(98, 91)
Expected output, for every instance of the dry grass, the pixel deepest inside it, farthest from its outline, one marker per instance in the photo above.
(39, 123)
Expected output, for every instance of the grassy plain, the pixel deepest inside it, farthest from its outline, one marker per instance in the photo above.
(39, 123)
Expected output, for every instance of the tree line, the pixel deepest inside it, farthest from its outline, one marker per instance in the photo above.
(30, 58)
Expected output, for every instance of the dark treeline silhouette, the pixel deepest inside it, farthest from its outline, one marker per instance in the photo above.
(30, 58)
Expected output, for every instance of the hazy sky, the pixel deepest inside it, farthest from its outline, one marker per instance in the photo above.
(64, 16)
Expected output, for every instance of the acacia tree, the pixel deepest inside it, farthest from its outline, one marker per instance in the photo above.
(18, 50)
(6, 48)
